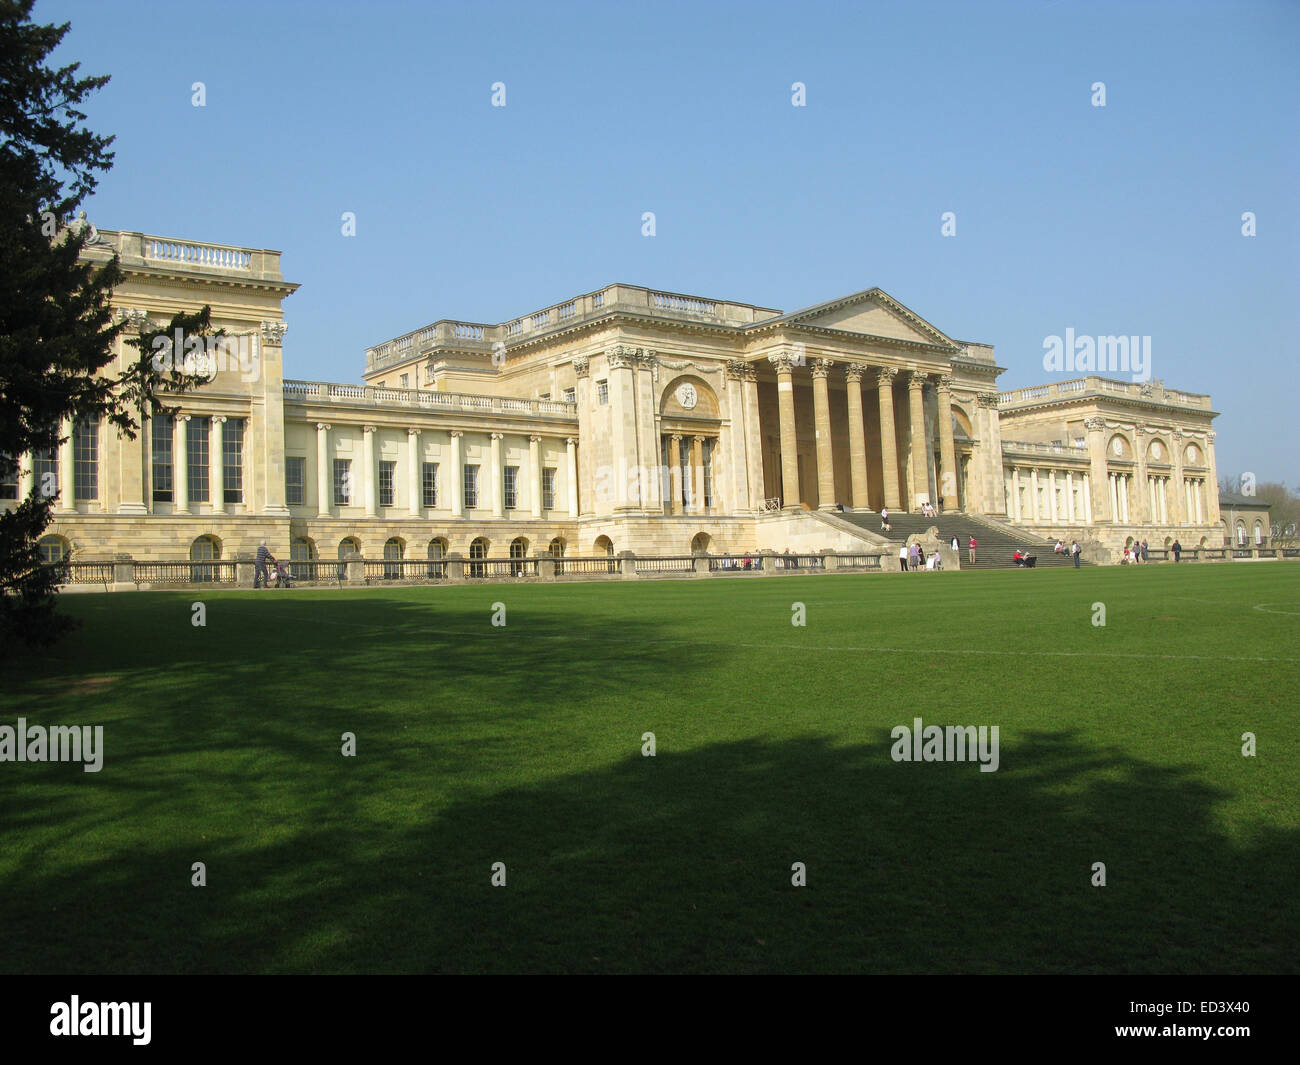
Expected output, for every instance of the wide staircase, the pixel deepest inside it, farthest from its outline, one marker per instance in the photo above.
(997, 543)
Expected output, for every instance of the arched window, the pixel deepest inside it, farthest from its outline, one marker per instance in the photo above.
(1241, 534)
(302, 553)
(437, 552)
(605, 546)
(393, 552)
(478, 550)
(1259, 534)
(54, 550)
(204, 549)
(556, 548)
(349, 547)
(700, 544)
(518, 549)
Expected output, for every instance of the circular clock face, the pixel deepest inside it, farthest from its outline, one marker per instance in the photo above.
(1155, 451)
(1118, 446)
(686, 396)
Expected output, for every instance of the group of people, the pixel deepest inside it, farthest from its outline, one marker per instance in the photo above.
(913, 557)
(1138, 552)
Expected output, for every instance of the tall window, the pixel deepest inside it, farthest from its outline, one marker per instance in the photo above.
(471, 487)
(602, 392)
(295, 474)
(342, 482)
(512, 487)
(8, 478)
(196, 455)
(548, 487)
(85, 457)
(45, 465)
(387, 472)
(570, 395)
(161, 432)
(430, 484)
(405, 380)
(232, 460)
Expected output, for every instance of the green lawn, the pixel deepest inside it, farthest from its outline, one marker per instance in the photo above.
(478, 744)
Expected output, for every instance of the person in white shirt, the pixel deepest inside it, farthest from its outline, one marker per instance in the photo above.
(902, 558)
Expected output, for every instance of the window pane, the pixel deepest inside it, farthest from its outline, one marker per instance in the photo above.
(162, 457)
(342, 482)
(232, 460)
(387, 471)
(430, 484)
(85, 456)
(197, 458)
(548, 488)
(295, 473)
(512, 487)
(471, 487)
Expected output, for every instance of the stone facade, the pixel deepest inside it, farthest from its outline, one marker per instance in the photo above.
(625, 419)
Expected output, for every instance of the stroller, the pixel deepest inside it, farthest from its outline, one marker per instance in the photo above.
(280, 578)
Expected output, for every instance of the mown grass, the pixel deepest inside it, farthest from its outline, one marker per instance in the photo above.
(522, 744)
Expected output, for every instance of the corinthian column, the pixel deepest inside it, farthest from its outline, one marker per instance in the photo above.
(888, 443)
(322, 470)
(535, 474)
(414, 485)
(368, 473)
(456, 480)
(217, 464)
(947, 449)
(822, 420)
(572, 445)
(498, 479)
(857, 438)
(916, 417)
(784, 365)
(180, 464)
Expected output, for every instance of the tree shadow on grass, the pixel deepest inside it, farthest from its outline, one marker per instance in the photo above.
(682, 863)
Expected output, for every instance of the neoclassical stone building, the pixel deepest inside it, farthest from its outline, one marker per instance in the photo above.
(624, 419)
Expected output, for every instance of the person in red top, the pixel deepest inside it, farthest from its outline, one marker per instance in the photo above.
(1017, 557)
(972, 545)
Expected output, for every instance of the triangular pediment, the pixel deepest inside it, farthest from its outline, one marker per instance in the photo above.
(872, 312)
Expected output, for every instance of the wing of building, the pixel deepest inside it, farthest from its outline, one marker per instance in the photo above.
(624, 419)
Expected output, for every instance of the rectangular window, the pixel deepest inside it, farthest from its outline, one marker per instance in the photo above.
(8, 478)
(512, 487)
(295, 475)
(548, 487)
(85, 457)
(232, 460)
(45, 465)
(161, 445)
(387, 474)
(406, 380)
(602, 392)
(430, 484)
(342, 482)
(708, 471)
(196, 457)
(544, 395)
(570, 395)
(471, 487)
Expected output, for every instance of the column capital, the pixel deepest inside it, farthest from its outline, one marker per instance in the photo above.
(570, 440)
(182, 417)
(497, 436)
(885, 376)
(412, 431)
(646, 358)
(821, 368)
(739, 370)
(987, 400)
(943, 382)
(319, 425)
(581, 365)
(273, 332)
(218, 419)
(621, 357)
(916, 380)
(1094, 424)
(782, 363)
(534, 439)
(853, 373)
(455, 433)
(368, 428)
(677, 437)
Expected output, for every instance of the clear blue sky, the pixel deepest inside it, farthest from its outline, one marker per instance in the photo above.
(1117, 220)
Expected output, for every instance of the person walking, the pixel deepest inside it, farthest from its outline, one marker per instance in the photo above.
(1177, 550)
(902, 557)
(1144, 552)
(956, 547)
(971, 547)
(884, 519)
(260, 578)
(1074, 551)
